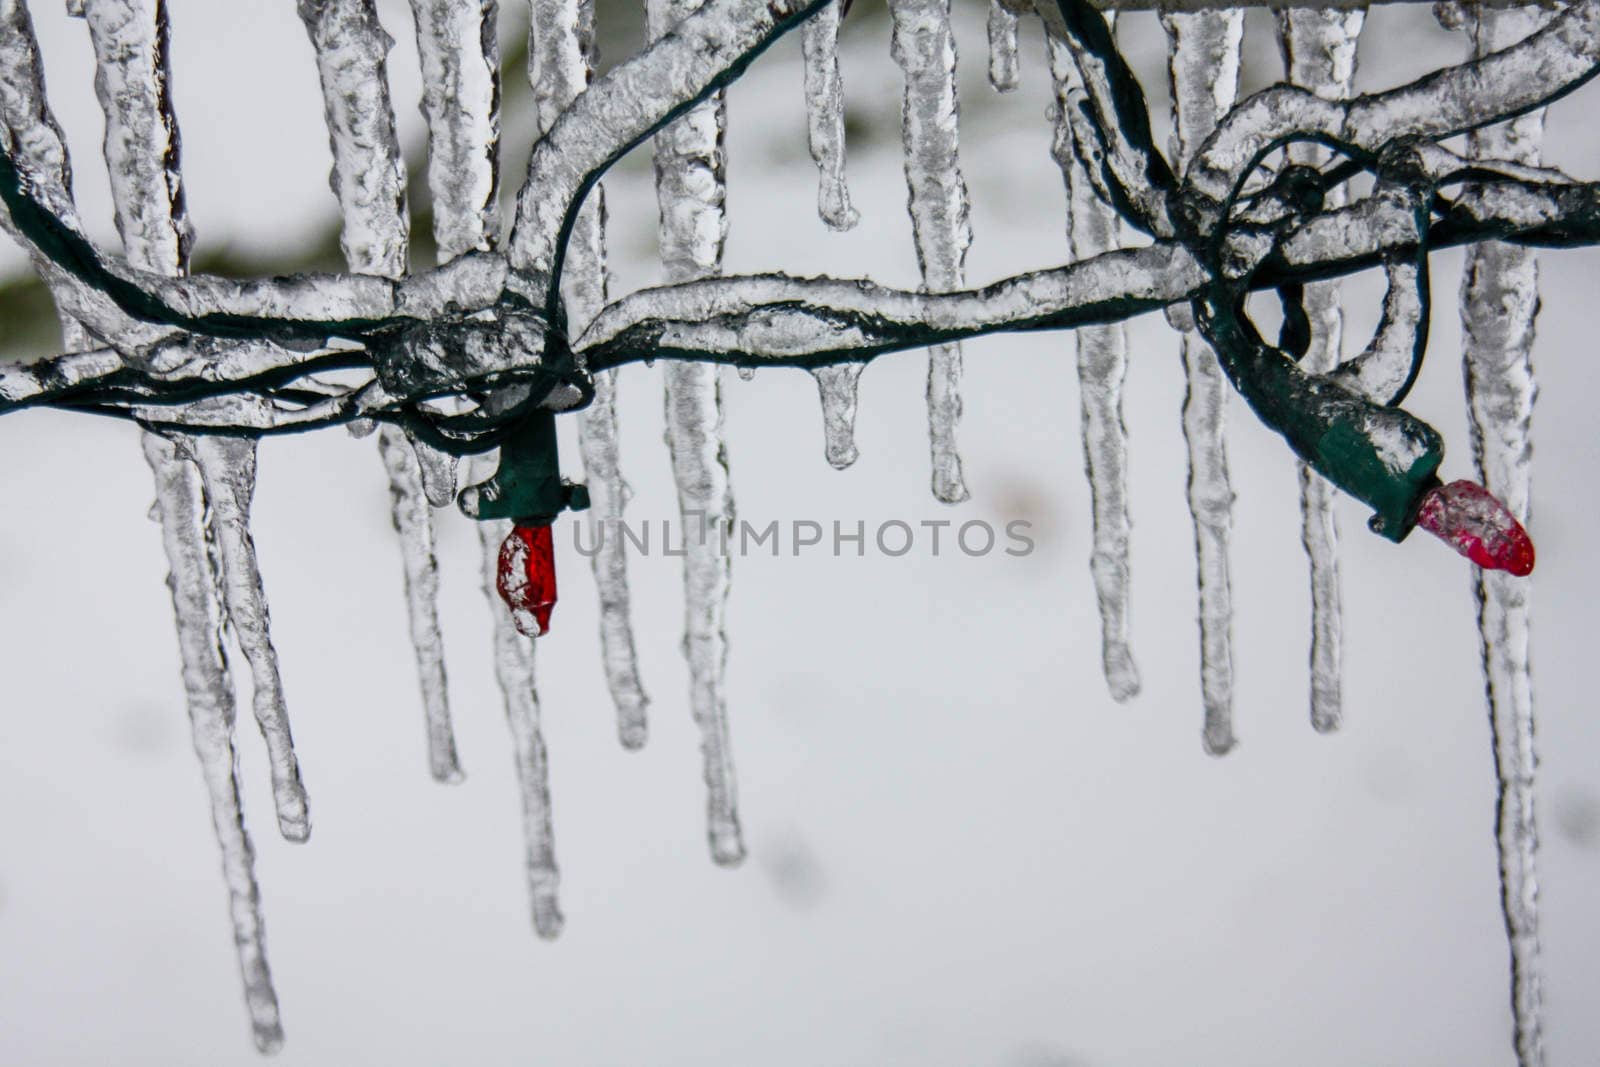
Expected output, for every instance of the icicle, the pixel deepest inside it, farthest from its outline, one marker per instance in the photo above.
(141, 150)
(228, 469)
(1102, 365)
(1319, 53)
(368, 175)
(460, 57)
(370, 181)
(1204, 71)
(409, 513)
(819, 40)
(1003, 46)
(561, 55)
(513, 665)
(180, 505)
(837, 387)
(690, 191)
(608, 495)
(1499, 302)
(925, 50)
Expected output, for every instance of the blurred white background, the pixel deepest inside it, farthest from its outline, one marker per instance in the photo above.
(961, 850)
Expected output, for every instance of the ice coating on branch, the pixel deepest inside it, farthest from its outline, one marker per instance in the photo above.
(369, 180)
(513, 667)
(1319, 54)
(36, 143)
(1102, 365)
(925, 51)
(368, 174)
(460, 56)
(561, 53)
(690, 192)
(180, 506)
(825, 122)
(1003, 46)
(819, 42)
(1384, 366)
(836, 385)
(228, 471)
(1203, 68)
(141, 149)
(412, 521)
(1545, 64)
(628, 102)
(1499, 303)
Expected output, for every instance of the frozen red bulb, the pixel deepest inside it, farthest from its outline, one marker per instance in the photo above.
(526, 577)
(1469, 519)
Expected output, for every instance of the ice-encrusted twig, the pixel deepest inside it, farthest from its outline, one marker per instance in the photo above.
(924, 48)
(702, 52)
(1499, 303)
(1203, 68)
(1319, 54)
(1102, 365)
(40, 148)
(180, 505)
(370, 182)
(778, 320)
(561, 56)
(141, 149)
(819, 43)
(1556, 59)
(690, 194)
(1002, 46)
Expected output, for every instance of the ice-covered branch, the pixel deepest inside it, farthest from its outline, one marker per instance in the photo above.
(777, 320)
(1542, 67)
(703, 52)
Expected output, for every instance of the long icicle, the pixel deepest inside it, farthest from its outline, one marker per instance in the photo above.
(513, 668)
(457, 42)
(228, 471)
(141, 149)
(460, 57)
(925, 50)
(1319, 53)
(1203, 66)
(690, 194)
(369, 179)
(1499, 303)
(561, 58)
(1102, 365)
(180, 505)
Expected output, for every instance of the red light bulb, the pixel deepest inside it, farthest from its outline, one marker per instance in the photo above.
(526, 577)
(1467, 518)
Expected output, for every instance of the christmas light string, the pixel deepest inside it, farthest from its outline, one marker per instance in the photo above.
(453, 380)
